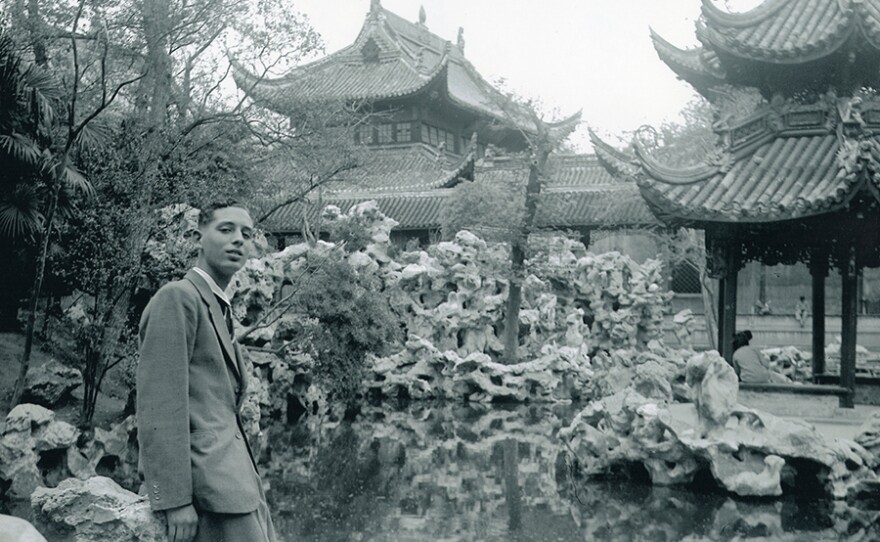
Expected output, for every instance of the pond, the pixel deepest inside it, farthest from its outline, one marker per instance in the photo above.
(498, 473)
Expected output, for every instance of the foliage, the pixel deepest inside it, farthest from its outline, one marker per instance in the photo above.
(348, 321)
(133, 99)
(493, 210)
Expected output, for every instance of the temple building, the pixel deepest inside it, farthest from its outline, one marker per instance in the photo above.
(798, 178)
(434, 122)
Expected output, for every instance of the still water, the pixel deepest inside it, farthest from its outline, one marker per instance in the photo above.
(490, 473)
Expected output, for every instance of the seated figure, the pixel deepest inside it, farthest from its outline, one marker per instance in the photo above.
(750, 365)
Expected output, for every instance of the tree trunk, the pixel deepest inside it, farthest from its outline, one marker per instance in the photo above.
(517, 255)
(155, 89)
(18, 391)
(38, 39)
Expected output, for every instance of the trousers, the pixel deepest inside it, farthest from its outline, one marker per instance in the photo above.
(253, 527)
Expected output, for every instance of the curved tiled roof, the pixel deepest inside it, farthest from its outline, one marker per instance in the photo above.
(417, 210)
(577, 192)
(410, 58)
(788, 162)
(411, 167)
(777, 32)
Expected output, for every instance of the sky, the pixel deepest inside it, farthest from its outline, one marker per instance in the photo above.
(592, 55)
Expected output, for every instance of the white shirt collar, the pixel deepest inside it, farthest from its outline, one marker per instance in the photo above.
(213, 285)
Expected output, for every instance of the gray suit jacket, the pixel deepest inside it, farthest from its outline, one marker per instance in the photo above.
(190, 384)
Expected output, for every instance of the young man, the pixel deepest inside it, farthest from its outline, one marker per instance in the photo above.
(198, 468)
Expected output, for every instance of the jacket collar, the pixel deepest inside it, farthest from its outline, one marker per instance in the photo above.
(217, 320)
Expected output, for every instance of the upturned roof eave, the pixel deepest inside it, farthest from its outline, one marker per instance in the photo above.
(617, 163)
(687, 64)
(741, 19)
(674, 214)
(668, 175)
(719, 29)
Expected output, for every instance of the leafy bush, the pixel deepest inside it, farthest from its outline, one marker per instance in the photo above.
(346, 320)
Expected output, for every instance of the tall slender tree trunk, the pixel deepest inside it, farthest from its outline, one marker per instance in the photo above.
(518, 252)
(18, 391)
(154, 91)
(35, 29)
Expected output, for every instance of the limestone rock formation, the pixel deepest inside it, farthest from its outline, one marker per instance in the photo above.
(49, 384)
(869, 436)
(714, 388)
(747, 452)
(423, 372)
(257, 394)
(15, 529)
(110, 452)
(95, 510)
(657, 373)
(31, 432)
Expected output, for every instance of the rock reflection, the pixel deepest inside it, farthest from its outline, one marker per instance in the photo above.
(486, 473)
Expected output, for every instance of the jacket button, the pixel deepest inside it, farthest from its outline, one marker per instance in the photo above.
(238, 436)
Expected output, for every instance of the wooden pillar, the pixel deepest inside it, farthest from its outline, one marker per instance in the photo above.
(818, 270)
(727, 303)
(586, 237)
(719, 339)
(849, 315)
(728, 326)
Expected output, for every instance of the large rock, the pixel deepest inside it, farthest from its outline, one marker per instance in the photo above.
(51, 383)
(424, 372)
(95, 510)
(32, 436)
(869, 436)
(13, 529)
(747, 452)
(714, 388)
(110, 452)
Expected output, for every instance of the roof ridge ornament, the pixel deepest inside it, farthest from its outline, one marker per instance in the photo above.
(459, 41)
(375, 8)
(422, 15)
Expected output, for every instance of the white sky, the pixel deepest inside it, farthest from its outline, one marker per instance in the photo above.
(594, 55)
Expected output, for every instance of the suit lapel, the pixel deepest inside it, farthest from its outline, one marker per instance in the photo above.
(241, 371)
(217, 320)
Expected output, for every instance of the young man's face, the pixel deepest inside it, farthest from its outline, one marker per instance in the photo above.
(226, 241)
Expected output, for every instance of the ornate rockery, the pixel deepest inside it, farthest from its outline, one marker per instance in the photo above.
(797, 179)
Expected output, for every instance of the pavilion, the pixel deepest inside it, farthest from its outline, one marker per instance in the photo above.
(435, 123)
(798, 178)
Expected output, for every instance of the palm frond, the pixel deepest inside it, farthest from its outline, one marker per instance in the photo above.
(44, 89)
(94, 135)
(19, 213)
(21, 147)
(76, 180)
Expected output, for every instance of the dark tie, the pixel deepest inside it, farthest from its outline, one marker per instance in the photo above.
(227, 315)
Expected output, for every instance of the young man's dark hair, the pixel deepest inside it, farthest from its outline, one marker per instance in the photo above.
(206, 213)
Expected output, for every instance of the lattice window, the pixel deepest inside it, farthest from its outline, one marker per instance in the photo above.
(365, 134)
(685, 278)
(425, 133)
(385, 133)
(404, 134)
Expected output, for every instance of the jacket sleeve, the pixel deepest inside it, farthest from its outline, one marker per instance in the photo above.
(167, 336)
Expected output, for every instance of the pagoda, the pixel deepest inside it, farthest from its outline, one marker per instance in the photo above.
(435, 122)
(797, 179)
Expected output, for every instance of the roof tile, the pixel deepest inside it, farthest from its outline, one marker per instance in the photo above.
(578, 192)
(789, 177)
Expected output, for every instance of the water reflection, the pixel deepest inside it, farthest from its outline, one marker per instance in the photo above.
(483, 473)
